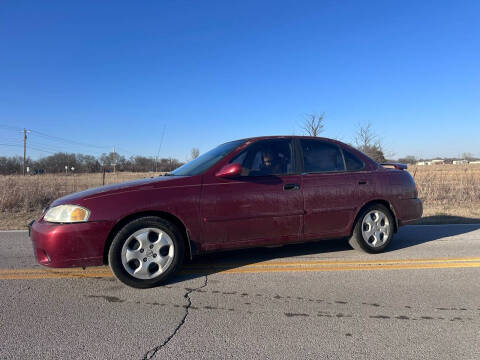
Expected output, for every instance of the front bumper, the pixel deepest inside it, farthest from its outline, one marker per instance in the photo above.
(69, 245)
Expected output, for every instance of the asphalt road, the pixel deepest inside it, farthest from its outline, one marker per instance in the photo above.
(421, 299)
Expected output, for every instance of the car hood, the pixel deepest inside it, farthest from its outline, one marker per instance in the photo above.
(159, 181)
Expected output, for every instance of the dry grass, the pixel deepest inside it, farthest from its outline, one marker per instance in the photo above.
(23, 197)
(450, 193)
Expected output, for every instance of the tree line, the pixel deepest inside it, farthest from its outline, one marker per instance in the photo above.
(56, 163)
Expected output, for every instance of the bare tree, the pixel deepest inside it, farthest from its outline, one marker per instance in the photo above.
(365, 136)
(313, 124)
(367, 141)
(195, 153)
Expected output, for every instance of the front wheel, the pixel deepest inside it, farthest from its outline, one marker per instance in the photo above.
(146, 251)
(374, 229)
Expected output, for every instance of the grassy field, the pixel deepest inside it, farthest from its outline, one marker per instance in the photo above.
(22, 198)
(450, 193)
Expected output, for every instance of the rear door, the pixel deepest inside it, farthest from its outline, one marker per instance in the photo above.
(263, 206)
(330, 192)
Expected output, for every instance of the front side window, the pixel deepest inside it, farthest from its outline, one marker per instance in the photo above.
(267, 157)
(321, 156)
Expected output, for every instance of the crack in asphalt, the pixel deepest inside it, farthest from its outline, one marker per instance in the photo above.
(152, 352)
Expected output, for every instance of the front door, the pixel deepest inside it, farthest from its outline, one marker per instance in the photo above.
(262, 206)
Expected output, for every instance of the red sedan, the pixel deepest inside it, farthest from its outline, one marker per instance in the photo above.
(251, 192)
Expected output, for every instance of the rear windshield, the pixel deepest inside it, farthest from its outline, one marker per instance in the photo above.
(207, 160)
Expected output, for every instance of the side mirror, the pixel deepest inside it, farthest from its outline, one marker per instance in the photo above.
(229, 171)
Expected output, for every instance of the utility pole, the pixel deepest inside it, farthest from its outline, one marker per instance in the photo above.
(25, 131)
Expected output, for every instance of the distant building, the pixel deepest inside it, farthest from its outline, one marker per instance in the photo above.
(476, 162)
(460, 162)
(431, 162)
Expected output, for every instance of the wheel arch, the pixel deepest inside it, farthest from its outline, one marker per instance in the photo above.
(383, 202)
(164, 215)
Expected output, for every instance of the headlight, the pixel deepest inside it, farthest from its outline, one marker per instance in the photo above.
(67, 214)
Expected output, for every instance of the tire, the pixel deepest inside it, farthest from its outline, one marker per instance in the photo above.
(372, 234)
(146, 252)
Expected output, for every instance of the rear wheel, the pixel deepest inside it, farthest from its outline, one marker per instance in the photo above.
(373, 230)
(146, 251)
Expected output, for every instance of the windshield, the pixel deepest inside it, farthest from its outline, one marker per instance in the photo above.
(207, 160)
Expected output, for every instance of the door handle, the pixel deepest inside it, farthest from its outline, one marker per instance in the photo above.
(287, 187)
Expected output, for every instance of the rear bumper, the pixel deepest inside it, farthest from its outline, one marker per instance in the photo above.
(69, 245)
(409, 211)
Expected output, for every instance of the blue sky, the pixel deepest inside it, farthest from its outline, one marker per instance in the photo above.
(108, 73)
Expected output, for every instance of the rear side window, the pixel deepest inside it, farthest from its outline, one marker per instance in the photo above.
(321, 156)
(353, 163)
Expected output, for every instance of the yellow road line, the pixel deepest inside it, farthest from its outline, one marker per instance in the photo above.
(48, 275)
(350, 268)
(263, 267)
(95, 269)
(339, 262)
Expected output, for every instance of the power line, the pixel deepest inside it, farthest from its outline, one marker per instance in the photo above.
(51, 138)
(42, 150)
(74, 142)
(54, 138)
(60, 139)
(36, 146)
(18, 144)
(11, 128)
(51, 151)
(30, 147)
(46, 146)
(2, 137)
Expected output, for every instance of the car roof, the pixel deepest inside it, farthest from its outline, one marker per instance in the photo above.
(256, 138)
